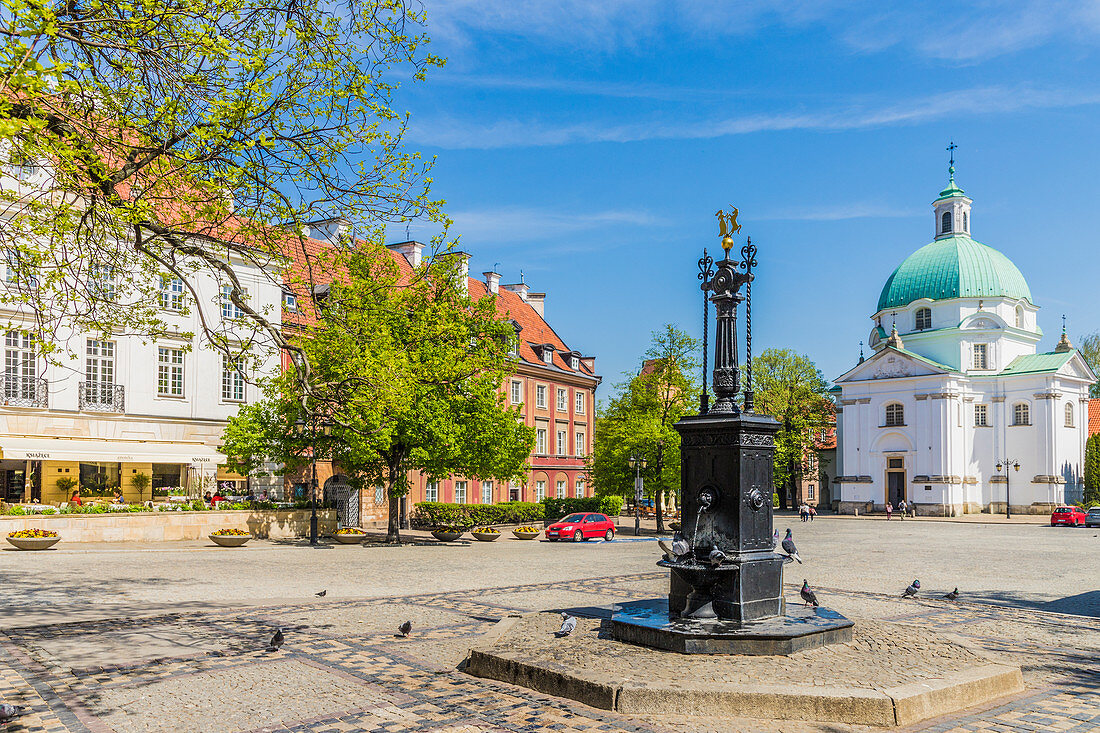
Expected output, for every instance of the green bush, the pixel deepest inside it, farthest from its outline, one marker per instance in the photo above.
(775, 501)
(438, 514)
(15, 511)
(557, 508)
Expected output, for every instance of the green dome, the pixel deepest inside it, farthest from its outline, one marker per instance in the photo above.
(953, 267)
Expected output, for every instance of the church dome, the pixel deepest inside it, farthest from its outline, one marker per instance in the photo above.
(953, 266)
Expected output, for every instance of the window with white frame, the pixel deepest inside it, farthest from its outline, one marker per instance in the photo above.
(981, 356)
(169, 372)
(171, 293)
(230, 310)
(290, 302)
(563, 400)
(20, 365)
(895, 414)
(561, 488)
(540, 396)
(101, 281)
(561, 443)
(1021, 414)
(540, 490)
(945, 222)
(578, 489)
(232, 379)
(517, 393)
(17, 271)
(981, 416)
(431, 491)
(578, 403)
(99, 371)
(579, 444)
(460, 492)
(1069, 414)
(540, 441)
(924, 318)
(486, 492)
(574, 363)
(548, 355)
(810, 492)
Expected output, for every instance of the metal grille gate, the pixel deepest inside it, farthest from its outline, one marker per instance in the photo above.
(340, 495)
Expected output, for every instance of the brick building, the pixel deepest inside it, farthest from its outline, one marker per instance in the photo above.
(554, 385)
(1094, 417)
(814, 487)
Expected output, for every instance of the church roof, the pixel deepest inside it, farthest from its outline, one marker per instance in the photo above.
(1031, 363)
(953, 267)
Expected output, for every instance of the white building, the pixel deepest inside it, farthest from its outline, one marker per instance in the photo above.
(122, 405)
(955, 388)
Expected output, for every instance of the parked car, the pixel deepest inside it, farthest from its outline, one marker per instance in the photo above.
(1092, 519)
(1069, 516)
(581, 526)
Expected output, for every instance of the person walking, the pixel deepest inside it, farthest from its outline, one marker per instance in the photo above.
(902, 509)
(812, 512)
(889, 511)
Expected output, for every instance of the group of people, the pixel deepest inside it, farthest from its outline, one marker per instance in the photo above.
(806, 512)
(76, 500)
(904, 508)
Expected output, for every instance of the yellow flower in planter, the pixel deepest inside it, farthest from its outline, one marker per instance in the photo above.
(231, 533)
(32, 533)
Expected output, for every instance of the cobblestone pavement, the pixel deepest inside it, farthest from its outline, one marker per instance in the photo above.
(343, 668)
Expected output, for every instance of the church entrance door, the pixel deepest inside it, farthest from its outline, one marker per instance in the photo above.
(895, 481)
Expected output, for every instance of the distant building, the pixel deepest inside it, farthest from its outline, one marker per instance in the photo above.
(815, 485)
(1094, 417)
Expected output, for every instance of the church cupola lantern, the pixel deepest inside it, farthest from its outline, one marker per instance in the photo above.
(952, 206)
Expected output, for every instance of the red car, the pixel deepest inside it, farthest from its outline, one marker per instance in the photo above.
(1069, 516)
(581, 526)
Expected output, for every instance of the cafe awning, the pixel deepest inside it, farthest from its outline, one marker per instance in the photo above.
(45, 448)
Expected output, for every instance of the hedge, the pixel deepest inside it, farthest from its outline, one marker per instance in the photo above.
(558, 508)
(440, 514)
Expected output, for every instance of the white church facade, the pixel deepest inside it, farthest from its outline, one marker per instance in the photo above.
(955, 411)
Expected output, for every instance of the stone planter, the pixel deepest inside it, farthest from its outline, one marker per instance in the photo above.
(350, 539)
(525, 535)
(34, 543)
(229, 540)
(443, 536)
(486, 536)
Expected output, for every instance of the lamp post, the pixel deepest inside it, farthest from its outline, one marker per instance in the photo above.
(1005, 464)
(637, 464)
(327, 429)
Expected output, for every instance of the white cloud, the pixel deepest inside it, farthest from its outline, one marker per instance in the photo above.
(455, 133)
(528, 224)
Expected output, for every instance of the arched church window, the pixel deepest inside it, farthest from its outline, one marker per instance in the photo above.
(924, 318)
(895, 414)
(966, 221)
(1069, 414)
(1019, 316)
(945, 222)
(1021, 414)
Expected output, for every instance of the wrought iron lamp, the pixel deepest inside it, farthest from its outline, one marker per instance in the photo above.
(637, 464)
(314, 428)
(1005, 464)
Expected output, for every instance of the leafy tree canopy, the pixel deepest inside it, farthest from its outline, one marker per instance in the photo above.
(407, 372)
(1089, 347)
(1092, 471)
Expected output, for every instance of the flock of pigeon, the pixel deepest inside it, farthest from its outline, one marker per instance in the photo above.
(278, 637)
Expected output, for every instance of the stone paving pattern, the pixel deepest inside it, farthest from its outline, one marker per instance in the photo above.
(343, 669)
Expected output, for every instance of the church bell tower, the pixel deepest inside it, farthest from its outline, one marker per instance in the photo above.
(952, 206)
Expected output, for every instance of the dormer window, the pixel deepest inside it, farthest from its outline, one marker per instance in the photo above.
(548, 355)
(574, 363)
(924, 318)
(945, 223)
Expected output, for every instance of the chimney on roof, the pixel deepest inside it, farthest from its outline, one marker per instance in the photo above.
(411, 251)
(329, 229)
(492, 281)
(519, 289)
(538, 302)
(462, 276)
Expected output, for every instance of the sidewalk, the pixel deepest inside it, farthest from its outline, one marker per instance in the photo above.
(963, 518)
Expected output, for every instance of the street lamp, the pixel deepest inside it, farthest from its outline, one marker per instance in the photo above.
(327, 430)
(637, 464)
(1005, 464)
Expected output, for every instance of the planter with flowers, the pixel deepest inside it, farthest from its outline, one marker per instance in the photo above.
(350, 535)
(526, 533)
(34, 539)
(447, 534)
(230, 537)
(485, 534)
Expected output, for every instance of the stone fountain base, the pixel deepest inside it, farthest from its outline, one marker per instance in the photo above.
(887, 675)
(647, 623)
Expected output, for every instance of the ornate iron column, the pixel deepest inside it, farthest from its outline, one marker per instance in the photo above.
(706, 272)
(725, 284)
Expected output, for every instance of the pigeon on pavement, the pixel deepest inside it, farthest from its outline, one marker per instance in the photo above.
(277, 640)
(911, 591)
(322, 594)
(405, 629)
(790, 549)
(808, 595)
(10, 712)
(568, 623)
(953, 594)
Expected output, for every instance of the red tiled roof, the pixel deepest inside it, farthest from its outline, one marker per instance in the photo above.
(1094, 417)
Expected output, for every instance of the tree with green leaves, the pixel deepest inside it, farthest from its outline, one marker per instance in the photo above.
(407, 373)
(1092, 470)
(1089, 348)
(166, 139)
(638, 421)
(790, 388)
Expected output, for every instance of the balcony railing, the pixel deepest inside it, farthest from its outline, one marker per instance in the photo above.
(102, 397)
(22, 391)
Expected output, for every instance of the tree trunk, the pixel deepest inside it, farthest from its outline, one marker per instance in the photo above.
(658, 501)
(393, 524)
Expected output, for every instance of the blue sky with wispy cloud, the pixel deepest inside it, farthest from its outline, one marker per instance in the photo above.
(589, 145)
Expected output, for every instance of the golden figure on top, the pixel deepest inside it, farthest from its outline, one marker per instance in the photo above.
(727, 227)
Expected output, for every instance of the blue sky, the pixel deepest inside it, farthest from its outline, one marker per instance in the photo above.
(589, 145)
